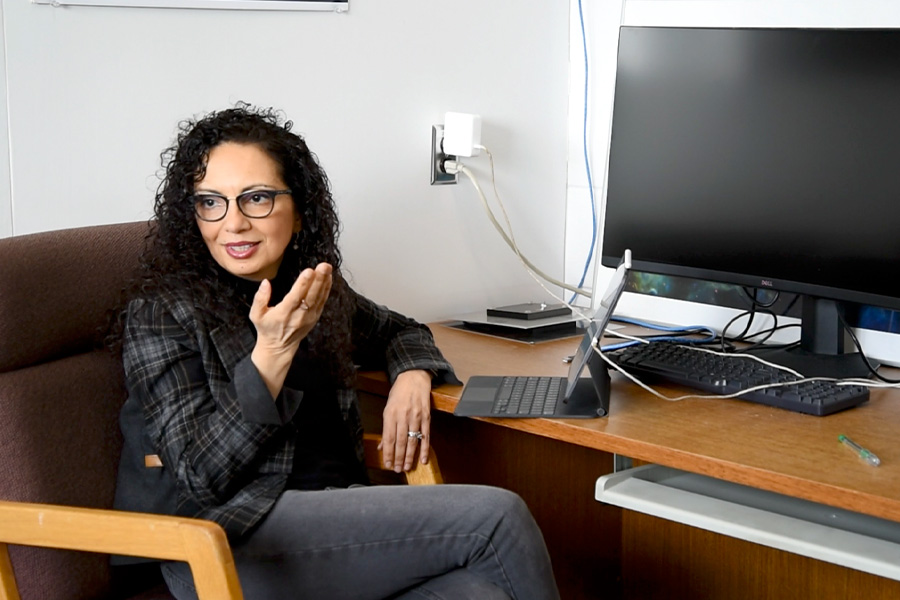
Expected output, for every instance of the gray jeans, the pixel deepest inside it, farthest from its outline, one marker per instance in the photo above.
(442, 542)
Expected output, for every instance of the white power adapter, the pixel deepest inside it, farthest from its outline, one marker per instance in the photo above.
(462, 134)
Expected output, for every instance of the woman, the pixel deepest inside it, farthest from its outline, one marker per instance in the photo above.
(239, 346)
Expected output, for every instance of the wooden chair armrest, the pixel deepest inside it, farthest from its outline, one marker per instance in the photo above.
(200, 543)
(427, 474)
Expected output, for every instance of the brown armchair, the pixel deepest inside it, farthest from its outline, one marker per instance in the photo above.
(60, 395)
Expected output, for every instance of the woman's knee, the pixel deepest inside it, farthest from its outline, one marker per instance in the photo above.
(492, 496)
(508, 503)
(498, 506)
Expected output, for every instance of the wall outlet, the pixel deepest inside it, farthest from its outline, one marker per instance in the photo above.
(438, 176)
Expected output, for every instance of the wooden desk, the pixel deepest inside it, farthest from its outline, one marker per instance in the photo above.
(600, 551)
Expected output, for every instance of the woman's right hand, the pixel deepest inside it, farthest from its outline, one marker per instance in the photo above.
(281, 328)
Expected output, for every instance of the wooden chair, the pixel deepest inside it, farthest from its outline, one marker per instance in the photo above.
(60, 395)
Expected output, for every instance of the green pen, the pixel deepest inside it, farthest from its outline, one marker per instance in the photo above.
(863, 453)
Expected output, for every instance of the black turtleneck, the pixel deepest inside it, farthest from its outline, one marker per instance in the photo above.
(325, 454)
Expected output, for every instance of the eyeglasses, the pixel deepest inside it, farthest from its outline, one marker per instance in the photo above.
(255, 204)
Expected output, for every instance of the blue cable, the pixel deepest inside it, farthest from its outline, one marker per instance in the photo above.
(692, 329)
(658, 327)
(587, 162)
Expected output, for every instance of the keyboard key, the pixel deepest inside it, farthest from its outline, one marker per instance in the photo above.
(535, 396)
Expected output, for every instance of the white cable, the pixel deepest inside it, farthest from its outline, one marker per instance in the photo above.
(741, 354)
(618, 334)
(457, 167)
(634, 379)
(529, 268)
(560, 299)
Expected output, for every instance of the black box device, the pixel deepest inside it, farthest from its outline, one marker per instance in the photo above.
(530, 311)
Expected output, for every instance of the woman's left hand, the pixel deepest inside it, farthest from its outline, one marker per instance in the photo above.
(408, 410)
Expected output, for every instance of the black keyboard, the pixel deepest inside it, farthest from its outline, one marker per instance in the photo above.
(528, 396)
(729, 374)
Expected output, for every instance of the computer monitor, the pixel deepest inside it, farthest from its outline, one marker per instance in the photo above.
(767, 158)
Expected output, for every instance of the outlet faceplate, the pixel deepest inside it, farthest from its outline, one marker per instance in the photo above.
(438, 177)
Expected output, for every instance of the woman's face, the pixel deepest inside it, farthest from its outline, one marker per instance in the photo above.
(246, 247)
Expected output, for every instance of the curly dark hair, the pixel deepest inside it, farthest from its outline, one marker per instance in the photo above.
(177, 258)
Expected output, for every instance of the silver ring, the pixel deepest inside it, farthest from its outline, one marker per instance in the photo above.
(415, 434)
(304, 305)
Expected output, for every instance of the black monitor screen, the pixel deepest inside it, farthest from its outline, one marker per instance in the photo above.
(760, 157)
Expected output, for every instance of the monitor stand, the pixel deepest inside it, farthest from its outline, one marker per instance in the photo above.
(826, 349)
(810, 364)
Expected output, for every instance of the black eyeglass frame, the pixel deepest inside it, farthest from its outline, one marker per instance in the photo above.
(237, 200)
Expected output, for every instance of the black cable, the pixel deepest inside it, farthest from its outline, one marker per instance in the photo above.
(756, 302)
(790, 305)
(862, 354)
(743, 336)
(739, 337)
(752, 295)
(770, 332)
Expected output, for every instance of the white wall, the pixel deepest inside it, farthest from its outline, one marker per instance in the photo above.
(602, 24)
(94, 95)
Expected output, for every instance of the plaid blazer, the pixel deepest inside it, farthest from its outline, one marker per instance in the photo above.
(196, 400)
